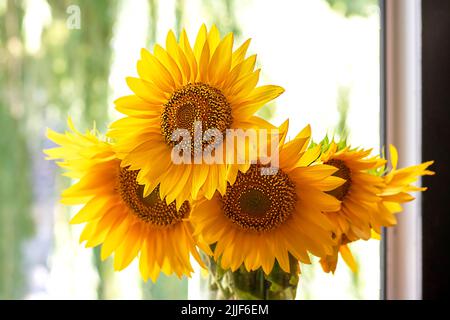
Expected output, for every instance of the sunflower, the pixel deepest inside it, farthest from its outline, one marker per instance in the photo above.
(117, 214)
(354, 219)
(378, 205)
(178, 88)
(398, 183)
(261, 218)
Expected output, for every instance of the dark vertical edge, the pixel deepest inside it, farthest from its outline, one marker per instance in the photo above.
(383, 139)
(435, 136)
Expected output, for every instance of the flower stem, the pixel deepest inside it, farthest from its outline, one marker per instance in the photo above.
(254, 285)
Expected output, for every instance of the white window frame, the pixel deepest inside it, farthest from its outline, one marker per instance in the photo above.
(403, 244)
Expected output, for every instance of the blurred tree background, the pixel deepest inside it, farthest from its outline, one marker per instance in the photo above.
(354, 8)
(67, 74)
(49, 70)
(15, 175)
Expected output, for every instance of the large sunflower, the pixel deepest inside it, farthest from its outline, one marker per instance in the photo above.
(358, 194)
(116, 213)
(261, 218)
(178, 87)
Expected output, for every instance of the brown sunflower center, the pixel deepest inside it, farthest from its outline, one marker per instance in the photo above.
(150, 209)
(197, 102)
(259, 202)
(254, 203)
(344, 173)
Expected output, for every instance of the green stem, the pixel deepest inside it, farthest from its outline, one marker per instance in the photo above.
(254, 285)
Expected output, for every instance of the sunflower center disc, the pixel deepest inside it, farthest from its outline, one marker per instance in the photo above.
(150, 209)
(344, 173)
(193, 103)
(254, 203)
(259, 202)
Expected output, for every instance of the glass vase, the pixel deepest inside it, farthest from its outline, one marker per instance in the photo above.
(254, 285)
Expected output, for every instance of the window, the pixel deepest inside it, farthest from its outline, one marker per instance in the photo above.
(326, 54)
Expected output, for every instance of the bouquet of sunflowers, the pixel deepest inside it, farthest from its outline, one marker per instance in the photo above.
(190, 171)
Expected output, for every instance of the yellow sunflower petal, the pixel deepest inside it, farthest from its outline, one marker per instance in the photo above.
(170, 64)
(213, 38)
(200, 42)
(257, 99)
(221, 60)
(239, 54)
(348, 258)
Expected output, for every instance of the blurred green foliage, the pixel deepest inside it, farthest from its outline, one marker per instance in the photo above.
(81, 58)
(153, 22)
(354, 7)
(15, 183)
(166, 288)
(15, 194)
(223, 14)
(343, 105)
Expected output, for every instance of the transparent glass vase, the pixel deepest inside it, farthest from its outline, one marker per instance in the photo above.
(253, 285)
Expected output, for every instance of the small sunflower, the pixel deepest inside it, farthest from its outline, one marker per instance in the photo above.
(358, 195)
(117, 214)
(393, 189)
(398, 183)
(177, 88)
(261, 218)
